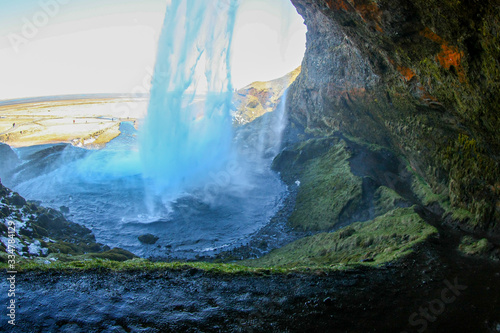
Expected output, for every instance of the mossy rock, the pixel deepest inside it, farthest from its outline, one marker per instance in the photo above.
(291, 163)
(53, 224)
(17, 200)
(434, 100)
(65, 248)
(95, 247)
(38, 231)
(380, 240)
(115, 254)
(26, 232)
(3, 229)
(148, 239)
(472, 247)
(425, 193)
(328, 190)
(49, 222)
(64, 209)
(386, 200)
(5, 211)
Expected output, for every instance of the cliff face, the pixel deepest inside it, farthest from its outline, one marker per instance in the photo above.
(421, 78)
(259, 98)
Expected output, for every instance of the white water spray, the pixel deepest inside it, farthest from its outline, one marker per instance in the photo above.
(187, 132)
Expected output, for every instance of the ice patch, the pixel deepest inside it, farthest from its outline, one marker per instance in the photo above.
(35, 248)
(89, 141)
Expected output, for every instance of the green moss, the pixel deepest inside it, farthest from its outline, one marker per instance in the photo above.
(115, 254)
(370, 146)
(386, 200)
(472, 247)
(445, 117)
(142, 265)
(461, 214)
(427, 196)
(473, 175)
(424, 192)
(65, 248)
(383, 239)
(327, 189)
(148, 239)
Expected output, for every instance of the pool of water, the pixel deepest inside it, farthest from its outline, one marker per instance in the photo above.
(106, 192)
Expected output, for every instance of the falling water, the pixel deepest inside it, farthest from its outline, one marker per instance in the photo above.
(183, 177)
(187, 132)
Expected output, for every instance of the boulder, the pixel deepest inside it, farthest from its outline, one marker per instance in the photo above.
(148, 239)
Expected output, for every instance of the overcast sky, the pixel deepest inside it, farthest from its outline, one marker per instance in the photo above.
(57, 47)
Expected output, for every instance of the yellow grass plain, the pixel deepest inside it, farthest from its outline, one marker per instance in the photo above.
(89, 123)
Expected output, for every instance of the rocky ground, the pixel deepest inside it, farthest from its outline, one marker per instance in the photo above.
(447, 280)
(32, 232)
(394, 125)
(435, 289)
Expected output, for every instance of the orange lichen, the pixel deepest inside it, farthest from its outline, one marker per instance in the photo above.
(425, 95)
(407, 73)
(370, 12)
(428, 33)
(449, 55)
(337, 5)
(367, 10)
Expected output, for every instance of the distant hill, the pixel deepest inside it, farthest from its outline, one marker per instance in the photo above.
(259, 97)
(70, 98)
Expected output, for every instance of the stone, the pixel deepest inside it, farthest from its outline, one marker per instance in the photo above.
(148, 239)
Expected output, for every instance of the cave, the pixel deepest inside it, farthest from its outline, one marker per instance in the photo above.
(380, 195)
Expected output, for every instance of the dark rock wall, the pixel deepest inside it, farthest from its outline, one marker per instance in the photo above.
(419, 77)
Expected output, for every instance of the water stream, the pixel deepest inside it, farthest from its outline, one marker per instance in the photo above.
(184, 176)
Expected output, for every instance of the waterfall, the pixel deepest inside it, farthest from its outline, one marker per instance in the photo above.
(187, 131)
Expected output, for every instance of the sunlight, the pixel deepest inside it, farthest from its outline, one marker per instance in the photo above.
(110, 46)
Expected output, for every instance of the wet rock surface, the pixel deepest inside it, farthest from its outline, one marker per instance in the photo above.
(386, 73)
(419, 78)
(39, 232)
(148, 239)
(384, 299)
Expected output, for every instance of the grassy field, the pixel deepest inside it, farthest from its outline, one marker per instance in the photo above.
(83, 122)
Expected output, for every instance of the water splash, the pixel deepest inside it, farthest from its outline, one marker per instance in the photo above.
(180, 181)
(187, 132)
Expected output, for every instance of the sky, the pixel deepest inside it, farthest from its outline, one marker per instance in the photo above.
(58, 47)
